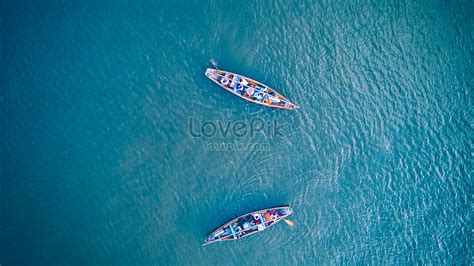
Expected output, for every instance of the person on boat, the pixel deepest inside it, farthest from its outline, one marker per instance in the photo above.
(267, 217)
(256, 216)
(240, 89)
(273, 216)
(234, 82)
(249, 220)
(274, 99)
(250, 91)
(224, 81)
(262, 89)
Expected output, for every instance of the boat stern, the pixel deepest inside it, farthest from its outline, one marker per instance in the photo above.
(288, 211)
(210, 72)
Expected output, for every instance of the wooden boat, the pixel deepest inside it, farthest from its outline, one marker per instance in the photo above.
(249, 224)
(249, 89)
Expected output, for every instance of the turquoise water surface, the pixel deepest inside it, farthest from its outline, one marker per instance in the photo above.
(99, 164)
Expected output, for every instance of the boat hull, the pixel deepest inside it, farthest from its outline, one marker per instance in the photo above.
(248, 224)
(249, 89)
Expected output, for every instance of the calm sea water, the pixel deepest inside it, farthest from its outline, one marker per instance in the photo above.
(98, 165)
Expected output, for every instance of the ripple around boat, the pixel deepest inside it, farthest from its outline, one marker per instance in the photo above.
(249, 224)
(249, 89)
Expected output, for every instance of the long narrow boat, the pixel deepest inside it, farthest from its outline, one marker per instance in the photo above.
(248, 224)
(249, 89)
